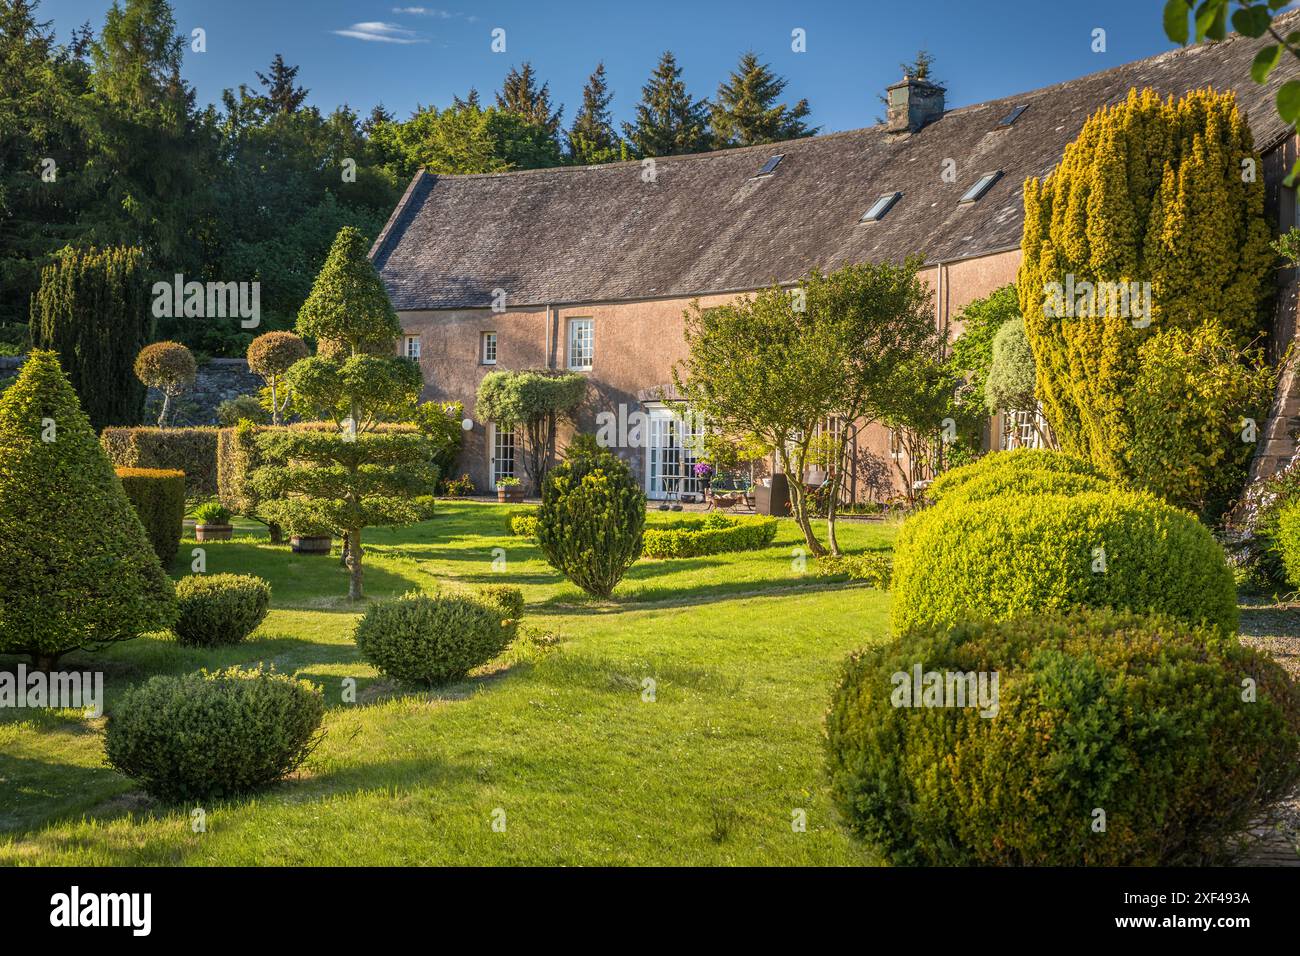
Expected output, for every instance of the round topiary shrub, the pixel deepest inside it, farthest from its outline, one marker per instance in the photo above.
(1142, 719)
(1025, 482)
(590, 521)
(219, 609)
(509, 600)
(1012, 462)
(422, 639)
(207, 735)
(1008, 556)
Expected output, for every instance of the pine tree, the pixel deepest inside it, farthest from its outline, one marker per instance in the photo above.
(746, 111)
(591, 137)
(281, 92)
(519, 95)
(93, 309)
(77, 565)
(668, 121)
(354, 477)
(1152, 191)
(379, 115)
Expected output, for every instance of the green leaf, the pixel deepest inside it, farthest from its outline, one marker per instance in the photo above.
(1291, 177)
(1288, 101)
(1252, 21)
(1219, 25)
(1176, 20)
(1277, 4)
(1266, 61)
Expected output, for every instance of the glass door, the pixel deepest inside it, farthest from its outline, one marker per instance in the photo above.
(674, 448)
(501, 451)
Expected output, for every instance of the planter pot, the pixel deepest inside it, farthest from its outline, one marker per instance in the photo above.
(187, 527)
(213, 532)
(510, 495)
(311, 544)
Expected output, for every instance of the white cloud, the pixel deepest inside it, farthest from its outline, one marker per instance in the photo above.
(425, 12)
(378, 32)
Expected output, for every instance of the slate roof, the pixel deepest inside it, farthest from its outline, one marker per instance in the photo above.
(705, 224)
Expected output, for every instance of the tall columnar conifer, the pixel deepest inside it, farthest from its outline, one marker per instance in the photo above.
(93, 309)
(1160, 191)
(77, 565)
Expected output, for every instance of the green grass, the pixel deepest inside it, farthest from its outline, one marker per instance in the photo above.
(742, 648)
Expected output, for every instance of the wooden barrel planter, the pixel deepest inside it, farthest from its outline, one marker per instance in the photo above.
(213, 532)
(311, 544)
(512, 495)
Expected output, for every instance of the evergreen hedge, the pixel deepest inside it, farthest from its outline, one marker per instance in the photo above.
(158, 495)
(191, 450)
(714, 534)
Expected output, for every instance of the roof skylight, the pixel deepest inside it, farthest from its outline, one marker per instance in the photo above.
(1013, 115)
(982, 185)
(880, 207)
(770, 166)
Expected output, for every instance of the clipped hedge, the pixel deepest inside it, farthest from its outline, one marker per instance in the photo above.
(206, 735)
(218, 609)
(423, 639)
(158, 495)
(714, 534)
(191, 450)
(1025, 482)
(1008, 556)
(1287, 541)
(1140, 718)
(1018, 461)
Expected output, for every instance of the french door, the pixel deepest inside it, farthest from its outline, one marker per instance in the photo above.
(674, 447)
(501, 453)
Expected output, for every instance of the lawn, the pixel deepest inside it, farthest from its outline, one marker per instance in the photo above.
(554, 737)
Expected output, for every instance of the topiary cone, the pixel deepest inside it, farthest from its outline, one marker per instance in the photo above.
(77, 566)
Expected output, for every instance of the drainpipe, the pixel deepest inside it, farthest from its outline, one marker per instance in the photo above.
(546, 336)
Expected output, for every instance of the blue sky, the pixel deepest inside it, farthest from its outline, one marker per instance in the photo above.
(367, 51)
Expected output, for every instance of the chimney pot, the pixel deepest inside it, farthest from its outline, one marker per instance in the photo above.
(911, 104)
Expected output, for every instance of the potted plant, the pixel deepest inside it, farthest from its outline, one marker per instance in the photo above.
(212, 523)
(510, 489)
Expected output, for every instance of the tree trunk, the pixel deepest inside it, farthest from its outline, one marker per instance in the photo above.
(162, 415)
(275, 407)
(799, 504)
(354, 564)
(276, 533)
(45, 662)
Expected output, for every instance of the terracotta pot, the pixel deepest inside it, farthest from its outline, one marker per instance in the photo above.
(311, 544)
(512, 495)
(213, 532)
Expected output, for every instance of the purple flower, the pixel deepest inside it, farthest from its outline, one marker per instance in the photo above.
(703, 470)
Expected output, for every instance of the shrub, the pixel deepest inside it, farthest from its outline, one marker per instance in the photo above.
(509, 601)
(159, 499)
(1259, 511)
(271, 355)
(1141, 717)
(420, 639)
(1288, 541)
(590, 521)
(212, 513)
(207, 735)
(1025, 483)
(1011, 462)
(457, 487)
(714, 534)
(191, 450)
(217, 609)
(522, 524)
(242, 408)
(75, 561)
(874, 567)
(1008, 556)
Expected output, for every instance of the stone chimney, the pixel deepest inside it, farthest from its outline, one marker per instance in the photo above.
(912, 104)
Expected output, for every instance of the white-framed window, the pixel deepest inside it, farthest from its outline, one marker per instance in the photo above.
(895, 444)
(581, 339)
(501, 453)
(411, 346)
(675, 443)
(488, 348)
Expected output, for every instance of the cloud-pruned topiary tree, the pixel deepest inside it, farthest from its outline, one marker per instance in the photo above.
(77, 565)
(353, 477)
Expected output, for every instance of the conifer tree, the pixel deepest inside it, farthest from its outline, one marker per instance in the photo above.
(93, 310)
(520, 95)
(746, 111)
(1155, 191)
(284, 95)
(77, 565)
(591, 137)
(668, 121)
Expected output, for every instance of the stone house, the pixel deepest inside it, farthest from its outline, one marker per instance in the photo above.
(591, 268)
